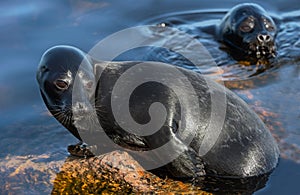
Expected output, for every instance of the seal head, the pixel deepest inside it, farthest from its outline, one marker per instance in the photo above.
(55, 75)
(249, 33)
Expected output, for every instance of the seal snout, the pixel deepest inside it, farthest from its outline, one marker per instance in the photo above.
(263, 47)
(80, 108)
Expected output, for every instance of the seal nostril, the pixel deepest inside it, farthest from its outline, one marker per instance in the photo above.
(80, 105)
(264, 38)
(260, 38)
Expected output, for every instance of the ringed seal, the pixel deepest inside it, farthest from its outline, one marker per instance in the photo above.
(249, 33)
(244, 148)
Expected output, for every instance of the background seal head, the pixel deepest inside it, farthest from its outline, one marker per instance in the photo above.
(249, 32)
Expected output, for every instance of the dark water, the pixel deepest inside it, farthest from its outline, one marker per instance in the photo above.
(29, 136)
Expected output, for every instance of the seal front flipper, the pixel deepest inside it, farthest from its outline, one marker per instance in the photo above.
(80, 150)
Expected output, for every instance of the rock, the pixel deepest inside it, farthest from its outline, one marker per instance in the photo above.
(111, 173)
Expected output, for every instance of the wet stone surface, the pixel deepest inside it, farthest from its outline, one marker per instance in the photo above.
(115, 172)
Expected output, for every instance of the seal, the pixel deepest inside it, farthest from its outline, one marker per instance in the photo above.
(244, 147)
(248, 32)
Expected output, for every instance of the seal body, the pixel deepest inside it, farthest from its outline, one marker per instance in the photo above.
(243, 148)
(248, 32)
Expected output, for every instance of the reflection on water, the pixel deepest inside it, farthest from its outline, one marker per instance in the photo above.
(225, 185)
(30, 137)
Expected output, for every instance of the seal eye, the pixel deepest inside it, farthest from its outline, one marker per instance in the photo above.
(61, 85)
(269, 26)
(245, 28)
(247, 25)
(44, 68)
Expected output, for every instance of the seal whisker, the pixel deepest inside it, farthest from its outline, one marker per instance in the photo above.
(55, 111)
(69, 120)
(61, 117)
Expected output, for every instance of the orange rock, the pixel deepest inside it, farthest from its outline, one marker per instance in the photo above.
(112, 173)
